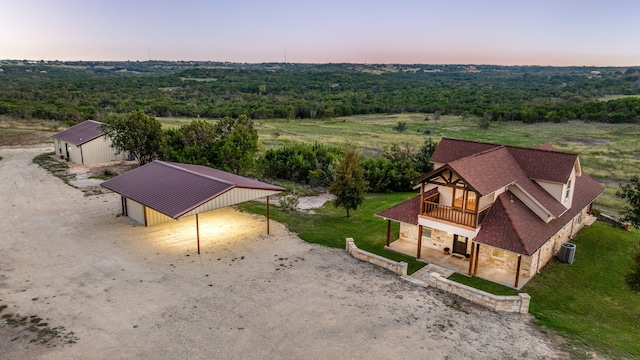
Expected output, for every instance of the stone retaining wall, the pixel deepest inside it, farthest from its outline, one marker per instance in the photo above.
(399, 268)
(613, 221)
(513, 304)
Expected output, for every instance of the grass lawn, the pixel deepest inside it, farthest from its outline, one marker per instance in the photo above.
(588, 302)
(331, 227)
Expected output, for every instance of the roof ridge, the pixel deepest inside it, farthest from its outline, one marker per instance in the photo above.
(193, 172)
(542, 150)
(509, 146)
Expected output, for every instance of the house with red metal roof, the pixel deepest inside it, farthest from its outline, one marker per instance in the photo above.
(494, 211)
(85, 144)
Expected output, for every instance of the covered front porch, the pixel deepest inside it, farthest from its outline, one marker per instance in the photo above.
(459, 264)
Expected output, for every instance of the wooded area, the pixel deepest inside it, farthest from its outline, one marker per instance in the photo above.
(75, 91)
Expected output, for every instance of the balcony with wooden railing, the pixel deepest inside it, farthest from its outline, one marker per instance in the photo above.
(462, 217)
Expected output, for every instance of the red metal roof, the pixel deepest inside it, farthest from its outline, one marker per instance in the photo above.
(80, 133)
(174, 189)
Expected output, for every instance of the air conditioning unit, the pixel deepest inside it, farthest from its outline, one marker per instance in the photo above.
(567, 252)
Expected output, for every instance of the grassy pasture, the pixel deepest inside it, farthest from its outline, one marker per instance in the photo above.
(608, 152)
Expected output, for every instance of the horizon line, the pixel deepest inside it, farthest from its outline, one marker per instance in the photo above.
(326, 63)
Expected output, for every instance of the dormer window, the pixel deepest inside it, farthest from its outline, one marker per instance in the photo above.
(566, 197)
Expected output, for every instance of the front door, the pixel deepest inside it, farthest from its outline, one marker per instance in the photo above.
(459, 244)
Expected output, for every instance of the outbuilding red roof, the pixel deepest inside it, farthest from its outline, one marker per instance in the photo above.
(80, 133)
(174, 189)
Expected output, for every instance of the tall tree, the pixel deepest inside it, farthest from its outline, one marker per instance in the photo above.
(349, 185)
(193, 143)
(136, 133)
(236, 144)
(631, 193)
(422, 163)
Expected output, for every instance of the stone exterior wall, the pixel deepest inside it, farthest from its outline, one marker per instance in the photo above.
(399, 268)
(512, 304)
(409, 232)
(438, 240)
(552, 247)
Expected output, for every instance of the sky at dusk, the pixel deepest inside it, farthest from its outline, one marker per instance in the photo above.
(505, 32)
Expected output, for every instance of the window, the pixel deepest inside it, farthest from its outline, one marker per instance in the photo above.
(463, 199)
(499, 253)
(472, 201)
(568, 190)
(458, 198)
(426, 232)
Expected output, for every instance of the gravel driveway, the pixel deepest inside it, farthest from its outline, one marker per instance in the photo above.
(119, 290)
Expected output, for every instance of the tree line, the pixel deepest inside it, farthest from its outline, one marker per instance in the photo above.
(529, 94)
(231, 145)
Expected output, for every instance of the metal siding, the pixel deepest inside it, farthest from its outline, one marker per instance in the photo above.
(154, 217)
(57, 144)
(99, 151)
(231, 197)
(135, 210)
(74, 154)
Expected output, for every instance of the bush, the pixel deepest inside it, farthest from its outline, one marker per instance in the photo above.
(401, 126)
(303, 163)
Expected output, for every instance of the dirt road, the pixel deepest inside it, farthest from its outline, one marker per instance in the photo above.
(125, 291)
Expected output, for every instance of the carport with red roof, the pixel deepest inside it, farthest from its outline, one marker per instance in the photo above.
(161, 191)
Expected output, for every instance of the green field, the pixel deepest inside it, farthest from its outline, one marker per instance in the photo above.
(588, 301)
(608, 152)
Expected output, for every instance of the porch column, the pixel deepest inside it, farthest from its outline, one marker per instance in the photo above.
(475, 264)
(388, 231)
(518, 271)
(198, 233)
(471, 259)
(421, 199)
(419, 241)
(267, 215)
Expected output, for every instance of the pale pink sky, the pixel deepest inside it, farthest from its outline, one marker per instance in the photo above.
(509, 32)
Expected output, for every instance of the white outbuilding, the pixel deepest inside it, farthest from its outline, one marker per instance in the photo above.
(85, 144)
